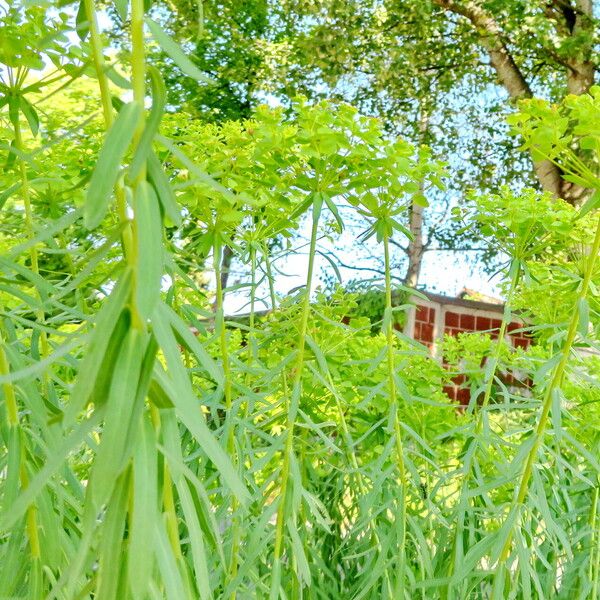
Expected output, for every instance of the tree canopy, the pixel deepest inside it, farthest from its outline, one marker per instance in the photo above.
(153, 445)
(443, 73)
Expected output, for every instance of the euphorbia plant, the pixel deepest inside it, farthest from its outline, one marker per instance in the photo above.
(382, 206)
(548, 138)
(270, 170)
(159, 449)
(520, 226)
(115, 377)
(29, 38)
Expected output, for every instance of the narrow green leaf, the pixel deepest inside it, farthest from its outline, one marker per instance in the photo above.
(48, 231)
(334, 210)
(179, 389)
(8, 192)
(14, 103)
(584, 317)
(31, 115)
(54, 461)
(192, 343)
(167, 564)
(82, 22)
(118, 79)
(39, 366)
(110, 555)
(93, 369)
(107, 169)
(122, 6)
(163, 189)
(332, 264)
(321, 360)
(204, 508)
(317, 204)
(157, 393)
(195, 169)
(199, 554)
(115, 445)
(299, 555)
(145, 513)
(175, 52)
(149, 267)
(12, 557)
(43, 287)
(592, 203)
(12, 156)
(144, 148)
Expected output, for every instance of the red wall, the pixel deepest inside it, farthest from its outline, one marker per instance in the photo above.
(465, 321)
(424, 325)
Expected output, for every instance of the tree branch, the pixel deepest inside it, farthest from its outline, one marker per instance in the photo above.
(580, 73)
(501, 59)
(580, 76)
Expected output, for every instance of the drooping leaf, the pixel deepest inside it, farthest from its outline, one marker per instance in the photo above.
(149, 267)
(122, 408)
(109, 163)
(144, 147)
(31, 115)
(145, 510)
(181, 394)
(163, 190)
(175, 52)
(82, 21)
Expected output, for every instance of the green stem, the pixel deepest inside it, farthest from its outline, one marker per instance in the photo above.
(33, 253)
(100, 68)
(32, 525)
(506, 318)
(12, 415)
(220, 324)
(229, 417)
(269, 270)
(292, 409)
(557, 375)
(391, 373)
(138, 65)
(138, 81)
(10, 398)
(594, 546)
(250, 339)
(98, 60)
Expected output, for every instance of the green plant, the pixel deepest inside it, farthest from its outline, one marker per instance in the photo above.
(153, 447)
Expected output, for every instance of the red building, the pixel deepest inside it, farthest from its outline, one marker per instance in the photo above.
(432, 318)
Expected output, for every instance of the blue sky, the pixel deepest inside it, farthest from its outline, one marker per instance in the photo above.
(443, 271)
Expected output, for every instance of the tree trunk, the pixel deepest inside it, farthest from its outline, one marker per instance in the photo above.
(580, 77)
(580, 73)
(226, 258)
(416, 246)
(226, 266)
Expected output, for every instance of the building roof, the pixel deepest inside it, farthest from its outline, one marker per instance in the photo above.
(487, 303)
(495, 306)
(469, 294)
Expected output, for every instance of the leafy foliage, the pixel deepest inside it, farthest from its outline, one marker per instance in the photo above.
(150, 446)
